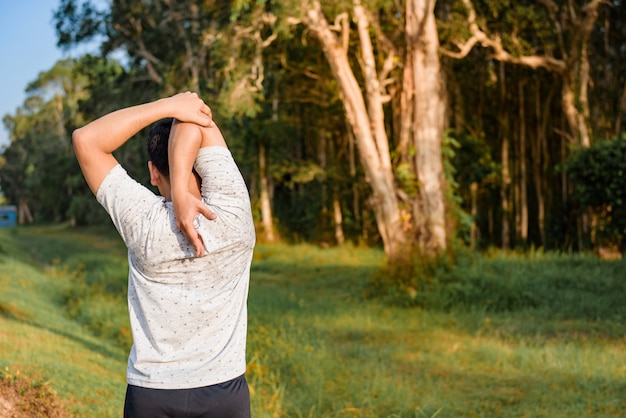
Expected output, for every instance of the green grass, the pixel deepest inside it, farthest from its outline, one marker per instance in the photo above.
(504, 335)
(39, 339)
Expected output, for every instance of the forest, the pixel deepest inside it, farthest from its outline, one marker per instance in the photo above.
(419, 126)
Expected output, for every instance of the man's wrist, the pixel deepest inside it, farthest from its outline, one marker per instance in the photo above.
(162, 109)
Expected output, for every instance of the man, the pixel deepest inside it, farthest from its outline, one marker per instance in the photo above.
(187, 292)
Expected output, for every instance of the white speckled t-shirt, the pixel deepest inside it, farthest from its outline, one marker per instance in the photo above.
(188, 314)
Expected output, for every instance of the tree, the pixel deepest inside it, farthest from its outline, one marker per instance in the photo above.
(420, 220)
(534, 42)
(561, 34)
(39, 161)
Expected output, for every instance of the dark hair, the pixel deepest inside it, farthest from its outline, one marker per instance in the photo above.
(157, 145)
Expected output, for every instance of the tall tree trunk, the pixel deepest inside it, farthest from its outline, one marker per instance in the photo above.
(516, 190)
(58, 115)
(523, 209)
(539, 156)
(504, 195)
(337, 213)
(406, 135)
(322, 158)
(356, 197)
(575, 119)
(474, 214)
(620, 112)
(428, 118)
(376, 161)
(265, 196)
(23, 212)
(504, 153)
(338, 218)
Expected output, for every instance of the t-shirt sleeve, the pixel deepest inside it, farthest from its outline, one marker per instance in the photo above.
(127, 202)
(224, 191)
(222, 182)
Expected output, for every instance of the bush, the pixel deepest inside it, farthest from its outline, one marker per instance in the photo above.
(598, 175)
(566, 286)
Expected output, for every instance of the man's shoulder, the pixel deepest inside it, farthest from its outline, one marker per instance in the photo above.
(116, 176)
(122, 196)
(211, 156)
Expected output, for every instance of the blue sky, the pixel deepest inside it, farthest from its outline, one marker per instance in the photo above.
(27, 47)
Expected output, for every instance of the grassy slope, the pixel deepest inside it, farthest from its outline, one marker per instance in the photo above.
(39, 341)
(317, 348)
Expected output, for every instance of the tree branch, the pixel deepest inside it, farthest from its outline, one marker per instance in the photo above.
(499, 52)
(386, 45)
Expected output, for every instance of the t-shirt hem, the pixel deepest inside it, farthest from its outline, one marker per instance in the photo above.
(186, 384)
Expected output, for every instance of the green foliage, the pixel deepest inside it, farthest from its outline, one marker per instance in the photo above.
(475, 165)
(473, 162)
(598, 175)
(466, 160)
(39, 168)
(462, 220)
(568, 287)
(76, 23)
(525, 27)
(407, 179)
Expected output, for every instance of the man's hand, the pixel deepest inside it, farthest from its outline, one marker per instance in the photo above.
(188, 107)
(186, 208)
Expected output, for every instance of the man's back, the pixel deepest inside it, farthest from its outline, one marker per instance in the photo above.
(188, 314)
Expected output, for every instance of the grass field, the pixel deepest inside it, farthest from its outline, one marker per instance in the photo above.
(504, 335)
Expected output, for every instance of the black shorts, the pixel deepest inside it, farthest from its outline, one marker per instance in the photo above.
(225, 400)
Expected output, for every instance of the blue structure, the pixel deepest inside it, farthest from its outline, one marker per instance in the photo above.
(8, 216)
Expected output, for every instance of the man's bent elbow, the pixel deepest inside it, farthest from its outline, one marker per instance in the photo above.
(79, 141)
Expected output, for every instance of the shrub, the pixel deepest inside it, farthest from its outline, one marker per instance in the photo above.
(560, 286)
(598, 175)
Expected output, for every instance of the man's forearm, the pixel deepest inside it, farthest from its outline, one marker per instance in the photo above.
(111, 131)
(95, 142)
(184, 143)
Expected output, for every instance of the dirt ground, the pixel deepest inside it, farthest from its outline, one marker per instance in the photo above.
(20, 399)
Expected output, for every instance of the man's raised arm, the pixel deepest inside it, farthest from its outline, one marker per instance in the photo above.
(184, 142)
(183, 145)
(95, 142)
